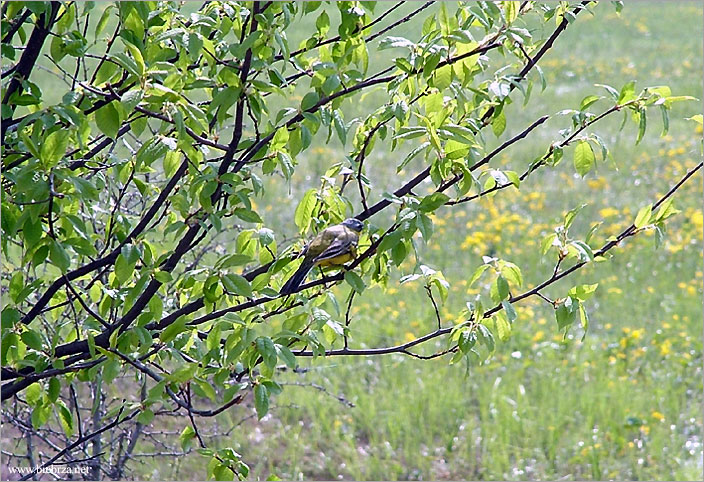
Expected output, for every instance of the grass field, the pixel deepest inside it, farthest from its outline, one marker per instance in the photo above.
(625, 403)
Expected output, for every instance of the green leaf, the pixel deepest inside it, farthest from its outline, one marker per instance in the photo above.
(583, 292)
(66, 418)
(237, 284)
(54, 389)
(53, 148)
(213, 339)
(584, 318)
(565, 314)
(486, 337)
(394, 42)
(85, 188)
(138, 58)
(40, 415)
(355, 281)
(412, 155)
(266, 349)
(309, 101)
(641, 125)
(666, 210)
(510, 311)
(665, 121)
(32, 394)
(467, 340)
(627, 93)
(304, 210)
(131, 253)
(433, 201)
(171, 331)
(510, 10)
(583, 158)
(503, 328)
(398, 253)
(390, 240)
(261, 400)
(186, 437)
(425, 226)
(100, 26)
(502, 288)
(59, 256)
(588, 101)
(572, 214)
(498, 124)
(477, 273)
(285, 354)
(206, 389)
(585, 251)
(248, 215)
(322, 23)
(512, 273)
(612, 92)
(123, 269)
(643, 216)
(32, 339)
(107, 118)
(443, 77)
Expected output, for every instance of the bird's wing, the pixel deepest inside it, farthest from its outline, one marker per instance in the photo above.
(341, 245)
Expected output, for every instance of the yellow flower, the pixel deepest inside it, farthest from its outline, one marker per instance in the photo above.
(608, 212)
(409, 336)
(657, 416)
(538, 336)
(596, 183)
(665, 348)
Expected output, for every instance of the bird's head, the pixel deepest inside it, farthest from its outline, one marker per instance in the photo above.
(354, 224)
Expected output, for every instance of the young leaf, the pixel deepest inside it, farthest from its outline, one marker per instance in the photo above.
(643, 217)
(304, 210)
(261, 400)
(355, 281)
(583, 158)
(107, 118)
(53, 148)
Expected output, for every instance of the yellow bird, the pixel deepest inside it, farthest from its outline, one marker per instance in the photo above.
(333, 246)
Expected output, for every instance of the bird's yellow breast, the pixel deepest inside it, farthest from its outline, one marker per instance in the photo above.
(338, 260)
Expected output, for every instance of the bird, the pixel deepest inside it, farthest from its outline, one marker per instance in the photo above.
(333, 246)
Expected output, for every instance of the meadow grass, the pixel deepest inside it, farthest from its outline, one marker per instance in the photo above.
(625, 403)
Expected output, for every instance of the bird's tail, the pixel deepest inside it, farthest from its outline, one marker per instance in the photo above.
(297, 278)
